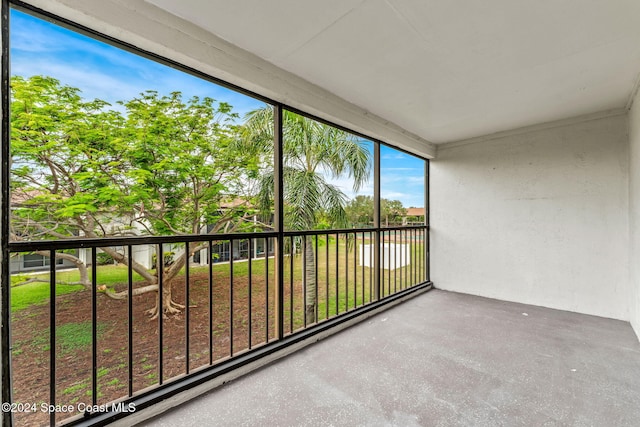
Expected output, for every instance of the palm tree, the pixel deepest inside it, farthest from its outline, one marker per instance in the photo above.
(311, 152)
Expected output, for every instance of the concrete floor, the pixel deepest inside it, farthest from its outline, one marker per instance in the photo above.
(442, 359)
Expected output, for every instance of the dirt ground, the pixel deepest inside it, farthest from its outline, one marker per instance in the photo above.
(73, 370)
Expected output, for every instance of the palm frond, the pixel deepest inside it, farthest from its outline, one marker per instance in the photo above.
(309, 147)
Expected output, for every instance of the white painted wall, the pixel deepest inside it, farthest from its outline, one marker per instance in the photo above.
(634, 213)
(538, 216)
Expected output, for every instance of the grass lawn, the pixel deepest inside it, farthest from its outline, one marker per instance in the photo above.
(25, 296)
(342, 282)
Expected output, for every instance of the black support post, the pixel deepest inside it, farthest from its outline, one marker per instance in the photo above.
(5, 201)
(278, 219)
(427, 232)
(376, 219)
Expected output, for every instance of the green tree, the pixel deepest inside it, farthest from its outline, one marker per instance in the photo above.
(360, 210)
(65, 158)
(311, 150)
(164, 166)
(184, 167)
(392, 211)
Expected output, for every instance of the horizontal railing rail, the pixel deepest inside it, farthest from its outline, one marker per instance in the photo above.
(81, 242)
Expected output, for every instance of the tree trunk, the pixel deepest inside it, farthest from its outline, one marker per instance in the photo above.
(169, 306)
(82, 268)
(135, 266)
(310, 280)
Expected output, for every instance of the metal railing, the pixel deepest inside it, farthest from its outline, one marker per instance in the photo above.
(77, 351)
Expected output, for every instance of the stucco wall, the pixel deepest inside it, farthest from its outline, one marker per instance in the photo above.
(539, 217)
(634, 214)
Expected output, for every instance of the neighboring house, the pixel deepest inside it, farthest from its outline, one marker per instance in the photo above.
(414, 216)
(27, 262)
(34, 262)
(225, 251)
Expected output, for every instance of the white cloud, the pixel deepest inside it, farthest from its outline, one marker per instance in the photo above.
(103, 71)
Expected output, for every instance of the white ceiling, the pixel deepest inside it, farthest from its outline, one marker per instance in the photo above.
(445, 70)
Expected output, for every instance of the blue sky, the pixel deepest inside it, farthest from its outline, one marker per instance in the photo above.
(102, 71)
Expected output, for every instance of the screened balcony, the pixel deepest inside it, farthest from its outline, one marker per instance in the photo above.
(194, 191)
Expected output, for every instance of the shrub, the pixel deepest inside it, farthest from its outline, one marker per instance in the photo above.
(103, 258)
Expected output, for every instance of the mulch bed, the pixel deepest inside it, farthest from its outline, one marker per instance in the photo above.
(30, 360)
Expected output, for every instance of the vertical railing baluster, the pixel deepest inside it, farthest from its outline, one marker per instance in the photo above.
(291, 265)
(400, 259)
(315, 255)
(187, 304)
(415, 233)
(413, 256)
(266, 288)
(419, 261)
(160, 268)
(382, 260)
(371, 265)
(410, 260)
(421, 265)
(362, 262)
(377, 265)
(326, 282)
(52, 334)
(403, 256)
(250, 290)
(304, 281)
(389, 262)
(395, 261)
(130, 316)
(231, 297)
(210, 264)
(401, 284)
(346, 271)
(407, 258)
(421, 253)
(413, 249)
(355, 270)
(94, 330)
(426, 254)
(416, 250)
(337, 274)
(359, 269)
